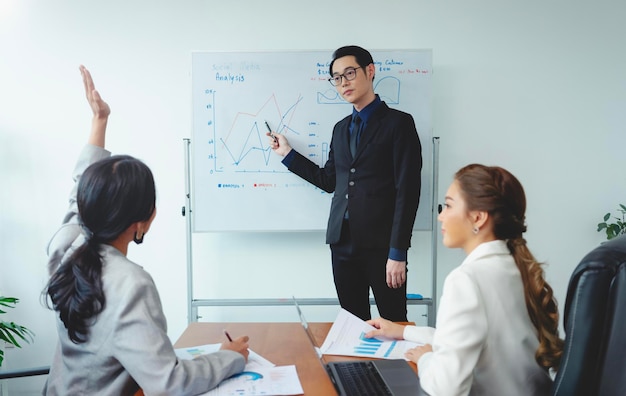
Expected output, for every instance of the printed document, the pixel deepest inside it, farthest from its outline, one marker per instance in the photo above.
(260, 377)
(347, 337)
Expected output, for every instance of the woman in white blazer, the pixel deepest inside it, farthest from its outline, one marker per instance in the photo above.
(497, 323)
(112, 331)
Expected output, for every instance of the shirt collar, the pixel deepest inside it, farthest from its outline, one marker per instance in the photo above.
(495, 247)
(368, 110)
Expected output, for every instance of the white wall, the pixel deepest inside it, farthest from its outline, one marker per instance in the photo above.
(537, 87)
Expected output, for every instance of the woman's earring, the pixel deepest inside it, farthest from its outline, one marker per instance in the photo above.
(138, 239)
(475, 230)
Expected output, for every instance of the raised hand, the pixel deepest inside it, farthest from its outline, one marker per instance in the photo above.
(99, 107)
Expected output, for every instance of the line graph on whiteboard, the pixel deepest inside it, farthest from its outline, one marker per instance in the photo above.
(239, 143)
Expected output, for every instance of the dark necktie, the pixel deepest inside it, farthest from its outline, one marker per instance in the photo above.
(355, 132)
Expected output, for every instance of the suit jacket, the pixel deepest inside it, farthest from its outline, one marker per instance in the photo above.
(128, 346)
(380, 186)
(485, 342)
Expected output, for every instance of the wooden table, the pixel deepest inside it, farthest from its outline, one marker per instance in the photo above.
(281, 343)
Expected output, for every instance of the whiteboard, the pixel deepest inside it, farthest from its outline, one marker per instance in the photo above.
(238, 182)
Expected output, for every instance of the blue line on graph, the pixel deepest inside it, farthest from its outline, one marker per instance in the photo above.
(391, 348)
(283, 126)
(237, 147)
(247, 149)
(388, 88)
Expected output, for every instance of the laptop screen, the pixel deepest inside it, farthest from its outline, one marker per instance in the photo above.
(308, 332)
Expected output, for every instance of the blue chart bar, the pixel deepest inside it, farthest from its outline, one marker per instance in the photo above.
(391, 347)
(195, 352)
(368, 346)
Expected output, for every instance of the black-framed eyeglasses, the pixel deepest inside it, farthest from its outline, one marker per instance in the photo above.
(349, 75)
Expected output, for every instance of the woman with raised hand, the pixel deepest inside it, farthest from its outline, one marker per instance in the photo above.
(111, 327)
(497, 322)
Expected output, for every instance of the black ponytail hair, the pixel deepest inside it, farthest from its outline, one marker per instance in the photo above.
(112, 194)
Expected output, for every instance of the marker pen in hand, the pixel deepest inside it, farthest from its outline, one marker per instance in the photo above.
(270, 131)
(228, 336)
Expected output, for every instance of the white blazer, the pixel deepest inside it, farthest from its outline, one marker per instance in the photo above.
(484, 343)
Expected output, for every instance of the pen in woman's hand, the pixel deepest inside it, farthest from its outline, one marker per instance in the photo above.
(228, 336)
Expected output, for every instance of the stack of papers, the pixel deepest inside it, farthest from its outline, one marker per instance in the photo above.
(260, 377)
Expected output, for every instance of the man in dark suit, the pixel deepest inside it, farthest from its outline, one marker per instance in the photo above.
(374, 169)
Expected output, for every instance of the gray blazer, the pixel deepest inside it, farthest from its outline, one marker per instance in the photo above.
(128, 346)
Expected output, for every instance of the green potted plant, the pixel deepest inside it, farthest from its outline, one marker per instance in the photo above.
(618, 227)
(11, 332)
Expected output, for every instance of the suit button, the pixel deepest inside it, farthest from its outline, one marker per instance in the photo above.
(351, 183)
(352, 170)
(346, 196)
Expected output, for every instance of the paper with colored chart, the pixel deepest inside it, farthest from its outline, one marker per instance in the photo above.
(347, 337)
(254, 359)
(260, 377)
(266, 381)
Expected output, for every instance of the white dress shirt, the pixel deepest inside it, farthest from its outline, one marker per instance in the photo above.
(485, 342)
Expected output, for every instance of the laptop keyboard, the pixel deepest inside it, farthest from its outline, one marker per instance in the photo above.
(361, 379)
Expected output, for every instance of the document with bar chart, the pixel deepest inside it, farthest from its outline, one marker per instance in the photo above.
(347, 338)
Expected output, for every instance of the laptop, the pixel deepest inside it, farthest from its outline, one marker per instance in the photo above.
(381, 377)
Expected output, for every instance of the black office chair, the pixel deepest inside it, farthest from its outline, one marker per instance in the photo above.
(594, 355)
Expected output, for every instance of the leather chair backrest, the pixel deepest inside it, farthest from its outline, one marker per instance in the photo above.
(594, 319)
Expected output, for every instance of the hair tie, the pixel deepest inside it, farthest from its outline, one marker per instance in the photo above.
(520, 223)
(88, 233)
(519, 241)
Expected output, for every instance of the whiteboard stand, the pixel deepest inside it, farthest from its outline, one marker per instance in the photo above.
(191, 316)
(433, 232)
(193, 304)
